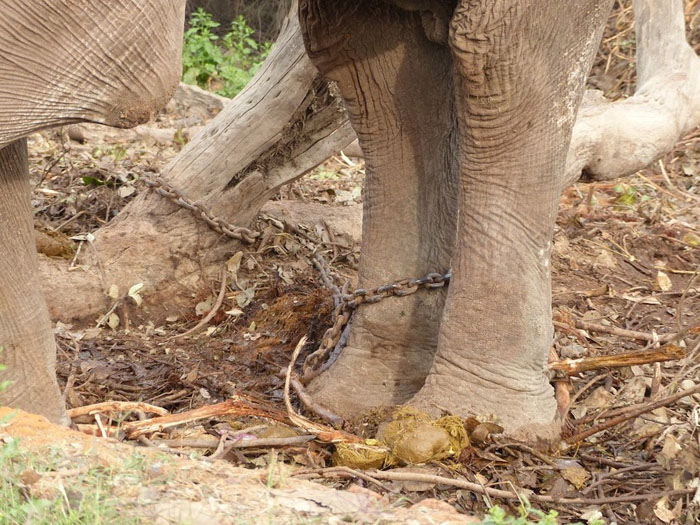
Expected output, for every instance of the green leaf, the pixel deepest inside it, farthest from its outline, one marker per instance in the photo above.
(93, 181)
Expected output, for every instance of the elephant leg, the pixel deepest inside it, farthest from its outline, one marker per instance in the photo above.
(520, 68)
(28, 347)
(397, 86)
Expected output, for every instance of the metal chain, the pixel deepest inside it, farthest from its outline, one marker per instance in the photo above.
(345, 303)
(165, 189)
(349, 302)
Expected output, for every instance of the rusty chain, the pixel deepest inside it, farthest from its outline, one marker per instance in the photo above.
(345, 303)
(165, 189)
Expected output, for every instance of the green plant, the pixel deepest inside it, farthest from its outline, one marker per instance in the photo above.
(527, 516)
(29, 493)
(628, 195)
(224, 65)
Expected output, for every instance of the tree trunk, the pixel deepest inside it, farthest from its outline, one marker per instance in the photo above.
(289, 120)
(614, 139)
(284, 123)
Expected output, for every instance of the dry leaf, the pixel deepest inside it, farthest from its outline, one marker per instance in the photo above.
(692, 239)
(665, 513)
(599, 398)
(664, 282)
(234, 264)
(576, 475)
(134, 293)
(125, 191)
(113, 321)
(669, 452)
(244, 297)
(114, 292)
(205, 306)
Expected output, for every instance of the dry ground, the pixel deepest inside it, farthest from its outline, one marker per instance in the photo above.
(626, 256)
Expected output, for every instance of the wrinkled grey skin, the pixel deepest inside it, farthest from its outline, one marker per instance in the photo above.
(114, 62)
(464, 110)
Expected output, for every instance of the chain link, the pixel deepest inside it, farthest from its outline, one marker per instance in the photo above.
(349, 302)
(165, 189)
(345, 303)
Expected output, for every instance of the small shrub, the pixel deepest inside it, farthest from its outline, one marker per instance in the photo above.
(528, 516)
(223, 65)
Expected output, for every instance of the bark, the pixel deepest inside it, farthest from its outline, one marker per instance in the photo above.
(233, 170)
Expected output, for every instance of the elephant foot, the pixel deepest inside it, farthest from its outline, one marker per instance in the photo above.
(525, 414)
(388, 355)
(40, 398)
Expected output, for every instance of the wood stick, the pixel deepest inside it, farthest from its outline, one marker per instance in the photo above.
(311, 404)
(623, 332)
(232, 407)
(94, 430)
(323, 433)
(115, 406)
(495, 493)
(632, 412)
(576, 366)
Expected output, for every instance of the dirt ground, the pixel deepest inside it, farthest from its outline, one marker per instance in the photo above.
(626, 272)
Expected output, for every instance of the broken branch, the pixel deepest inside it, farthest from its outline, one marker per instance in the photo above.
(115, 406)
(576, 366)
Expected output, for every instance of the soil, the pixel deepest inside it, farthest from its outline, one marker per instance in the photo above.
(626, 255)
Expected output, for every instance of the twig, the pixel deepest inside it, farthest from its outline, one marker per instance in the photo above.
(69, 384)
(115, 406)
(607, 475)
(524, 448)
(573, 331)
(94, 430)
(623, 332)
(561, 388)
(272, 442)
(632, 412)
(105, 317)
(603, 461)
(585, 387)
(212, 312)
(344, 472)
(219, 451)
(576, 366)
(148, 443)
(236, 406)
(314, 407)
(326, 434)
(504, 494)
(98, 420)
(237, 443)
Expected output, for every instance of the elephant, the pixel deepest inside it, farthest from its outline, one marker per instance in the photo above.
(464, 111)
(113, 62)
